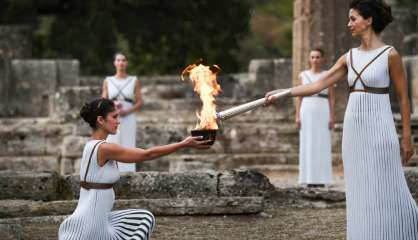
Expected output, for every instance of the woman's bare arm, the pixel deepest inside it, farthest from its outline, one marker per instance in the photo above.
(397, 74)
(330, 77)
(331, 100)
(297, 106)
(104, 89)
(116, 152)
(138, 98)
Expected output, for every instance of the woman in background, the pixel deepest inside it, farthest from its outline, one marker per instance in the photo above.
(125, 91)
(314, 119)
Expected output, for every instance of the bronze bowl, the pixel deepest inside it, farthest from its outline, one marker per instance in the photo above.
(207, 134)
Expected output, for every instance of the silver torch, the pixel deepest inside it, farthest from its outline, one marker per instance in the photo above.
(231, 112)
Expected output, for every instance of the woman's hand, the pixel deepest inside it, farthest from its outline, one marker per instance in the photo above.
(196, 142)
(406, 149)
(297, 122)
(270, 98)
(331, 123)
(123, 113)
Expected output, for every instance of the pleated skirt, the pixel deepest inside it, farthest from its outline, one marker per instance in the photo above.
(94, 220)
(379, 203)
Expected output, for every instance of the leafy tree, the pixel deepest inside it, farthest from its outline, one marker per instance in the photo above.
(159, 36)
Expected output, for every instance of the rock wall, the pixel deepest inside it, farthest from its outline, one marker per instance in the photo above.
(31, 83)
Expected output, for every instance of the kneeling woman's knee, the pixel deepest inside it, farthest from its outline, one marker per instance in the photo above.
(151, 218)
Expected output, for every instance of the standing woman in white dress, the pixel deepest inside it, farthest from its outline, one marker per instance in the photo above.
(125, 91)
(314, 119)
(379, 203)
(93, 219)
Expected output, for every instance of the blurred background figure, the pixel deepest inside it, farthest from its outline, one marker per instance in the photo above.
(314, 119)
(125, 91)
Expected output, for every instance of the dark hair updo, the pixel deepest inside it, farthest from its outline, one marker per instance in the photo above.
(99, 107)
(378, 10)
(320, 50)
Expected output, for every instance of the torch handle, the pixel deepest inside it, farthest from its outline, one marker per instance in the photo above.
(247, 106)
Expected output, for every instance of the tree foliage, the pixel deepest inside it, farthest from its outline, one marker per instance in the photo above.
(270, 31)
(159, 36)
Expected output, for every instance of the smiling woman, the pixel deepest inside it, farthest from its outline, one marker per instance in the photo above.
(93, 218)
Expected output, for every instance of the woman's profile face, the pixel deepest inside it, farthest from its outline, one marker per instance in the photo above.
(120, 62)
(111, 122)
(357, 24)
(315, 59)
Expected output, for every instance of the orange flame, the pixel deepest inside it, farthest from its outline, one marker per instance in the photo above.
(204, 83)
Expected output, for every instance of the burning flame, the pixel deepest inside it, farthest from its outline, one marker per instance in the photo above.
(204, 83)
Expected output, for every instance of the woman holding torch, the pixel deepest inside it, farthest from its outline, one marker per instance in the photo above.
(93, 218)
(379, 203)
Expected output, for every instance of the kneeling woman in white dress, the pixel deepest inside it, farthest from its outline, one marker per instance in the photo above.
(315, 118)
(125, 91)
(93, 218)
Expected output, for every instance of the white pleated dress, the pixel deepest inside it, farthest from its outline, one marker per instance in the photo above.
(315, 165)
(120, 90)
(379, 203)
(93, 218)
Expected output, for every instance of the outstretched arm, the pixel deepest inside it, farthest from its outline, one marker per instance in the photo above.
(333, 75)
(397, 74)
(116, 152)
(330, 77)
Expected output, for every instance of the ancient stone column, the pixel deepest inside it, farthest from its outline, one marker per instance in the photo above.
(321, 23)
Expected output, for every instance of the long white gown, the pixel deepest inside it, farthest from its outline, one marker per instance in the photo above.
(379, 203)
(315, 165)
(122, 89)
(93, 219)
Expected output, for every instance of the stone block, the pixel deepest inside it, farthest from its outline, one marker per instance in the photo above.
(68, 73)
(270, 74)
(67, 102)
(243, 183)
(34, 82)
(411, 175)
(31, 136)
(92, 81)
(30, 163)
(49, 186)
(73, 146)
(28, 185)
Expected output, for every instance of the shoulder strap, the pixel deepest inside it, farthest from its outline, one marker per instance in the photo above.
(305, 74)
(91, 155)
(364, 68)
(121, 89)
